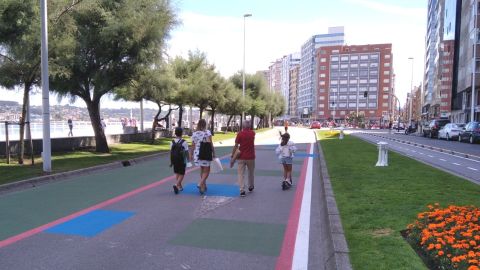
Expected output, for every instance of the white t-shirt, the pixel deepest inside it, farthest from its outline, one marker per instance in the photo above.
(286, 150)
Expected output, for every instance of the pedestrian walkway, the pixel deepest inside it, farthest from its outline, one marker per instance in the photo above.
(129, 218)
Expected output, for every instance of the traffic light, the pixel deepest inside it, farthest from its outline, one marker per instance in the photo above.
(365, 94)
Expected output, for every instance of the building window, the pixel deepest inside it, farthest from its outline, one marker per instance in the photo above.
(322, 75)
(387, 56)
(342, 112)
(323, 51)
(373, 80)
(344, 58)
(385, 104)
(342, 105)
(385, 96)
(362, 105)
(363, 57)
(323, 67)
(353, 81)
(343, 90)
(386, 65)
(373, 64)
(343, 81)
(386, 72)
(335, 51)
(353, 97)
(353, 65)
(321, 105)
(321, 98)
(343, 97)
(333, 82)
(385, 89)
(374, 56)
(372, 105)
(321, 113)
(386, 80)
(323, 60)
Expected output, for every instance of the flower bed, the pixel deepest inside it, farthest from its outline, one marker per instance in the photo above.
(447, 238)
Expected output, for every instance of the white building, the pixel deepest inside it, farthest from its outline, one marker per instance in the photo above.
(306, 96)
(288, 62)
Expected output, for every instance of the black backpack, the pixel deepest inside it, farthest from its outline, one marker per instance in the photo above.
(177, 153)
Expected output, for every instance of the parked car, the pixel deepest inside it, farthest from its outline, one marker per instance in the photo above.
(431, 129)
(470, 133)
(315, 124)
(450, 131)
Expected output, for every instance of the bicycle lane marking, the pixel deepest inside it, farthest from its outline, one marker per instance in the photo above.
(294, 252)
(108, 202)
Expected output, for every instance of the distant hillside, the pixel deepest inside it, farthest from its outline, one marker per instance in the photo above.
(8, 103)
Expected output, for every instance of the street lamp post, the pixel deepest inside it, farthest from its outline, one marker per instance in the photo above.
(410, 96)
(47, 151)
(243, 73)
(474, 65)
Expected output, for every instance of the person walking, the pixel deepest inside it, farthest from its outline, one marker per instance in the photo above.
(70, 127)
(202, 155)
(245, 143)
(285, 152)
(179, 156)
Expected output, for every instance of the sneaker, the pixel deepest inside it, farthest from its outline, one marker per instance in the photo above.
(242, 193)
(284, 185)
(175, 189)
(180, 187)
(251, 188)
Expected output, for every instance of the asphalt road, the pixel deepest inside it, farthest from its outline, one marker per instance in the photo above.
(129, 218)
(439, 155)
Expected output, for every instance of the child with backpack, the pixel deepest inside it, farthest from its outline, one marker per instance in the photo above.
(285, 152)
(179, 156)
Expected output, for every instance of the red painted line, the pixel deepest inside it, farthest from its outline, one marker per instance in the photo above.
(124, 196)
(285, 259)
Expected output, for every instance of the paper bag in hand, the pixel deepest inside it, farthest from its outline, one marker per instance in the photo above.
(234, 157)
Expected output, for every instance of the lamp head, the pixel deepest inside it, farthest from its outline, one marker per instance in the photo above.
(247, 15)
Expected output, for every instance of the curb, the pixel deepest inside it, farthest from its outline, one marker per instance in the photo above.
(34, 182)
(338, 248)
(451, 152)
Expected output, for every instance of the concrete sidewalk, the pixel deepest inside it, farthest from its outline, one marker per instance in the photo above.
(129, 218)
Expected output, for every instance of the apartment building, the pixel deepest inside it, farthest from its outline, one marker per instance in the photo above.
(354, 79)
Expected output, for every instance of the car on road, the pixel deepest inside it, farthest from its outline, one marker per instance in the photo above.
(431, 129)
(450, 131)
(315, 124)
(471, 133)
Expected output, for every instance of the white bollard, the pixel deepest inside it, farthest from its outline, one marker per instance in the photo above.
(341, 133)
(382, 154)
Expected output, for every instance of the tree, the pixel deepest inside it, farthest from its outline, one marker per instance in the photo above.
(157, 84)
(104, 45)
(20, 47)
(234, 103)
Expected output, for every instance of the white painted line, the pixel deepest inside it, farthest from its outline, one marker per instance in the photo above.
(430, 156)
(473, 169)
(454, 163)
(300, 253)
(442, 159)
(421, 153)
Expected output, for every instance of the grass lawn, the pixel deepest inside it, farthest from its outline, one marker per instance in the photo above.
(376, 203)
(80, 159)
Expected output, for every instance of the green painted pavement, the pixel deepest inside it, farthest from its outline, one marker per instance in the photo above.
(229, 235)
(24, 210)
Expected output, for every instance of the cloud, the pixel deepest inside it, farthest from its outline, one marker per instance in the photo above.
(390, 8)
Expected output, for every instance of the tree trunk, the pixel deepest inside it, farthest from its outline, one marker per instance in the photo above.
(252, 119)
(26, 91)
(155, 122)
(229, 120)
(212, 126)
(180, 115)
(101, 144)
(201, 112)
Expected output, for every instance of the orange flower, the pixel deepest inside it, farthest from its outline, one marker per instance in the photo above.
(440, 253)
(473, 267)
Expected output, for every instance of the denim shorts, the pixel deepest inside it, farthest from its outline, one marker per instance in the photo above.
(286, 160)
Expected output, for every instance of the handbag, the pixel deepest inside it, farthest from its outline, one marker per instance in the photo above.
(216, 166)
(205, 152)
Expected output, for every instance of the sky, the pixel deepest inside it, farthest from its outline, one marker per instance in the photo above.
(280, 27)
